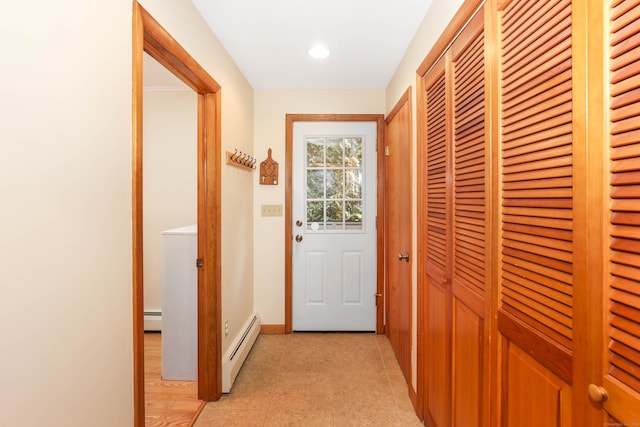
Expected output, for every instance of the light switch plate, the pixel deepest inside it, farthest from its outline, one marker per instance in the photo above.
(271, 210)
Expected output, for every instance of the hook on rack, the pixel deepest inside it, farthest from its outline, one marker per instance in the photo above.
(241, 160)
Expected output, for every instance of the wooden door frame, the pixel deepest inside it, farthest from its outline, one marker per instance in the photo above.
(288, 233)
(149, 36)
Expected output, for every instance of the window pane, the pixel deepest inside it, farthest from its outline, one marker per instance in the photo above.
(315, 152)
(315, 212)
(335, 185)
(335, 154)
(334, 211)
(353, 215)
(353, 184)
(353, 152)
(315, 184)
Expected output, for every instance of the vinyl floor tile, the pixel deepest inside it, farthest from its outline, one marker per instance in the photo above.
(323, 380)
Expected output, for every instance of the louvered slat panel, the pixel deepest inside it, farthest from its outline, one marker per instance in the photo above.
(562, 312)
(548, 90)
(537, 173)
(624, 295)
(625, 352)
(553, 55)
(560, 246)
(543, 21)
(558, 297)
(469, 166)
(561, 322)
(537, 180)
(436, 173)
(514, 15)
(548, 18)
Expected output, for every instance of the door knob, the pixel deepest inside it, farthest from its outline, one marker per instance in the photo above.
(597, 393)
(299, 223)
(404, 257)
(298, 238)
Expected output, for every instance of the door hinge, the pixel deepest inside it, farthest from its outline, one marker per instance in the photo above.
(199, 262)
(386, 150)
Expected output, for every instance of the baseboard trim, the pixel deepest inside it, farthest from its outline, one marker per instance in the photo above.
(272, 329)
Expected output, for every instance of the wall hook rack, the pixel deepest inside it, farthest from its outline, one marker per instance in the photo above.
(241, 160)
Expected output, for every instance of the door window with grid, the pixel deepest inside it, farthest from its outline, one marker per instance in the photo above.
(334, 174)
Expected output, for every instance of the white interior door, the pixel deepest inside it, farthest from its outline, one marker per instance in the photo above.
(334, 226)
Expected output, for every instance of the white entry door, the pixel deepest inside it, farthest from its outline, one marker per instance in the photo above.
(334, 226)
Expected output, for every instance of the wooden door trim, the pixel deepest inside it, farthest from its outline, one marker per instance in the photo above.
(290, 119)
(406, 97)
(149, 36)
(468, 9)
(421, 351)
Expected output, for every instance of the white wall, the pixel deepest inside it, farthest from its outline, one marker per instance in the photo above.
(65, 221)
(436, 20)
(170, 176)
(65, 188)
(270, 110)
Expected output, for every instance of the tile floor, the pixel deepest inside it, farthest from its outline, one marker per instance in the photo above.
(316, 380)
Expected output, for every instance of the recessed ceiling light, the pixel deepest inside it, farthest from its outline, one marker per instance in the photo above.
(318, 52)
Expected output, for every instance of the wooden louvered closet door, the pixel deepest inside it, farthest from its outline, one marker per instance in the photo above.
(455, 238)
(437, 239)
(470, 239)
(536, 298)
(538, 274)
(622, 318)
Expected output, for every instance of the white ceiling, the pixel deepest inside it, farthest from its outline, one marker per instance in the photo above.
(269, 39)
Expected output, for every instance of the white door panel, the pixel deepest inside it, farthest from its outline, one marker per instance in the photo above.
(334, 209)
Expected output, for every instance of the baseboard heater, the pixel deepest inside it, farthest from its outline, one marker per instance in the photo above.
(238, 352)
(153, 320)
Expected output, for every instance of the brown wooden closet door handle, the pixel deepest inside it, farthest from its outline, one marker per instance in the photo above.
(597, 393)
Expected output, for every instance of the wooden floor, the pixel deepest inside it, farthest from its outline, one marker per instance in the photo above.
(167, 403)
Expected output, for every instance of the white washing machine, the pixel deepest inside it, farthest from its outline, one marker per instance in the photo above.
(180, 304)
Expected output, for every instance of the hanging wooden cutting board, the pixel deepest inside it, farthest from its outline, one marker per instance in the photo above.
(269, 171)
